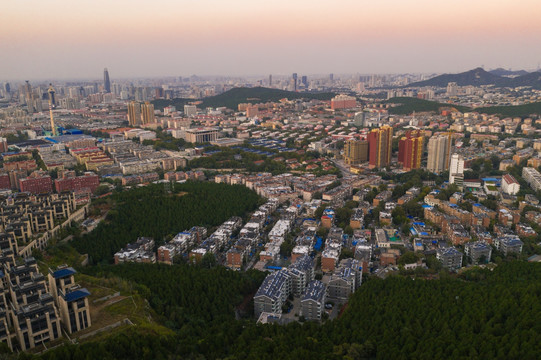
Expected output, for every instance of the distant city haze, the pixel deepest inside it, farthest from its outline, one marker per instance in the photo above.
(60, 39)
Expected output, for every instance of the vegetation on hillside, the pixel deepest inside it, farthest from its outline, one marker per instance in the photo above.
(407, 105)
(518, 110)
(152, 212)
(484, 314)
(232, 98)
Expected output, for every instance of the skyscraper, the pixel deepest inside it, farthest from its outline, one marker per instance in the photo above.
(7, 88)
(106, 81)
(134, 113)
(147, 113)
(456, 170)
(380, 143)
(359, 118)
(355, 151)
(294, 81)
(270, 80)
(52, 105)
(410, 150)
(28, 96)
(437, 154)
(304, 80)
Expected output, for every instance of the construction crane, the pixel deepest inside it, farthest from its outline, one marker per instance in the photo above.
(52, 105)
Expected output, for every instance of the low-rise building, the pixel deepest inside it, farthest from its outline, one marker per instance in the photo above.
(450, 258)
(478, 252)
(508, 244)
(345, 280)
(273, 293)
(140, 251)
(313, 301)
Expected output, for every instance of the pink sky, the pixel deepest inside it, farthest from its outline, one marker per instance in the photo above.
(62, 39)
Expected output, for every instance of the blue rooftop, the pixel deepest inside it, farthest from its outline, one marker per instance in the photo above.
(76, 295)
(58, 274)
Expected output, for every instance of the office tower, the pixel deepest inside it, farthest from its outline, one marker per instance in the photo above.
(52, 105)
(456, 170)
(106, 81)
(147, 113)
(190, 110)
(28, 96)
(355, 151)
(410, 150)
(7, 88)
(380, 146)
(270, 80)
(359, 118)
(438, 157)
(331, 77)
(116, 88)
(294, 81)
(134, 113)
(452, 89)
(304, 80)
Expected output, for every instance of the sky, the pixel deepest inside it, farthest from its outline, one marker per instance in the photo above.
(76, 39)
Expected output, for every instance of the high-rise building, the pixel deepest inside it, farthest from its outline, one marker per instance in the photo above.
(7, 88)
(331, 77)
(52, 105)
(270, 80)
(359, 118)
(304, 80)
(28, 96)
(294, 81)
(380, 146)
(438, 159)
(106, 81)
(147, 113)
(343, 101)
(452, 89)
(355, 151)
(190, 110)
(456, 170)
(410, 150)
(134, 113)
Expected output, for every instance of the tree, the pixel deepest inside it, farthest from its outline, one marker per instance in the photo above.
(208, 261)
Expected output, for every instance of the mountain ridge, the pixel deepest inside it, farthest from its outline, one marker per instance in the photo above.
(479, 76)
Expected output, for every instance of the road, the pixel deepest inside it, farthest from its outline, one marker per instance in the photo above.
(342, 167)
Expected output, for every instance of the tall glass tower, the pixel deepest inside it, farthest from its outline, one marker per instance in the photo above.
(106, 81)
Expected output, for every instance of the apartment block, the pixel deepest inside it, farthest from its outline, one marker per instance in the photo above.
(450, 258)
(478, 252)
(313, 301)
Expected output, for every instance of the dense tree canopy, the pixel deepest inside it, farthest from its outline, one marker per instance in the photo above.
(152, 212)
(483, 314)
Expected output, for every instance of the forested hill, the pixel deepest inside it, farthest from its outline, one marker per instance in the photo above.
(152, 212)
(481, 315)
(408, 105)
(235, 96)
(478, 76)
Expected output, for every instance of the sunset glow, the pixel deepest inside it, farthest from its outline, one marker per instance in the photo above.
(77, 38)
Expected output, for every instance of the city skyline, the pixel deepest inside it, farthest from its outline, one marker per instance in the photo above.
(61, 39)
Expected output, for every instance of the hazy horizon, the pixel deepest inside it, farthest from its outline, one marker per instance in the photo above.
(62, 39)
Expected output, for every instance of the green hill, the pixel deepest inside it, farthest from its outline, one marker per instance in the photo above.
(478, 76)
(518, 110)
(407, 105)
(482, 315)
(232, 98)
